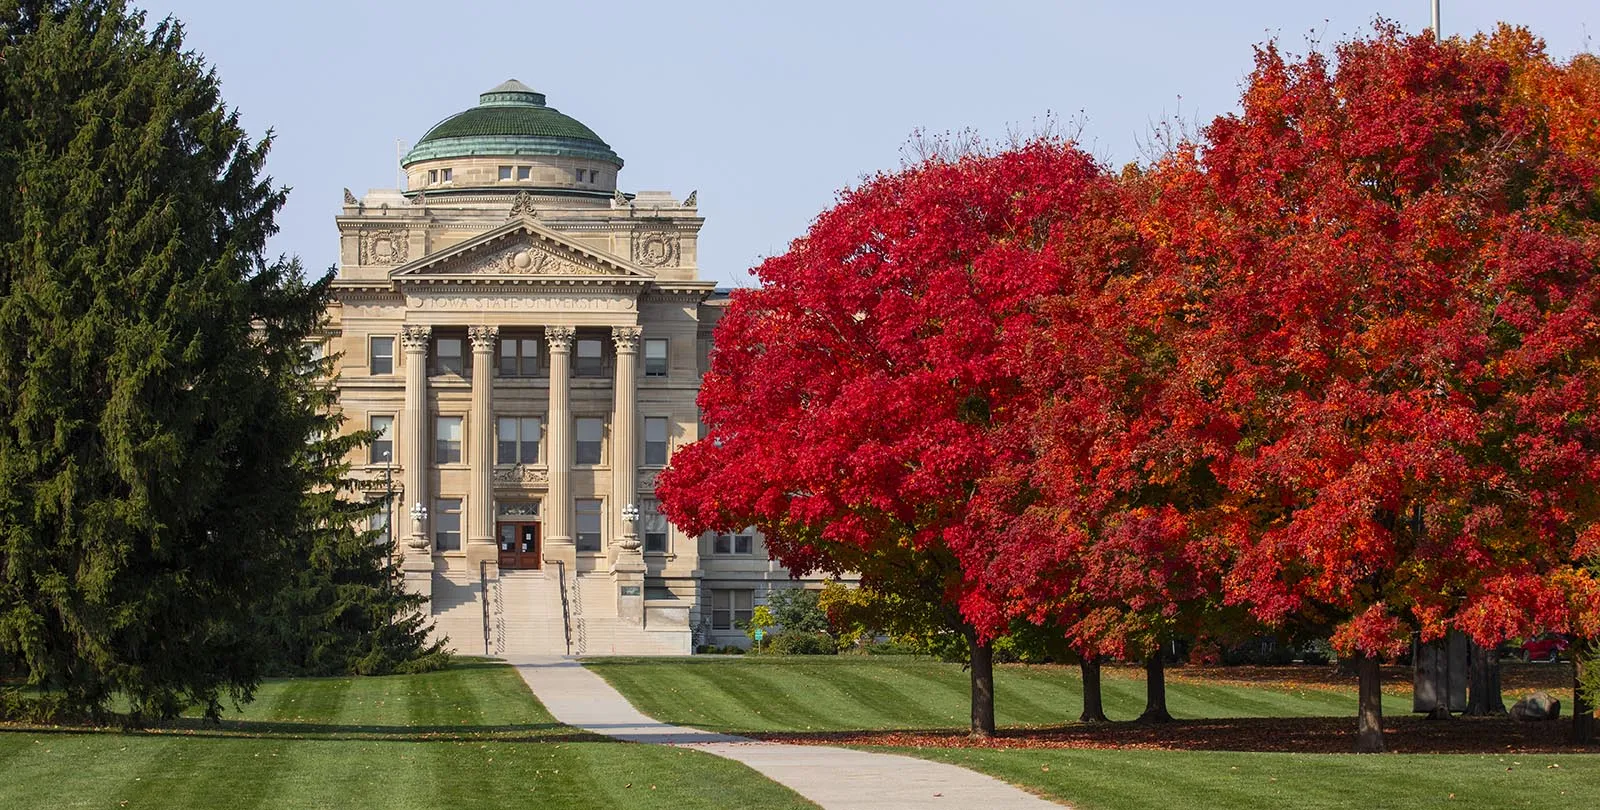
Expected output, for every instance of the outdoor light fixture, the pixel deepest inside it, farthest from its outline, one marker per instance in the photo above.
(630, 513)
(419, 516)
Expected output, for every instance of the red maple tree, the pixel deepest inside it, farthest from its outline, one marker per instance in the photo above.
(1392, 345)
(853, 399)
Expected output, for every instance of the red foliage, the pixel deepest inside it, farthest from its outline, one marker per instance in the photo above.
(853, 399)
(1398, 315)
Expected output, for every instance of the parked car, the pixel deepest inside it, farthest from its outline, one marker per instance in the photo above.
(1544, 648)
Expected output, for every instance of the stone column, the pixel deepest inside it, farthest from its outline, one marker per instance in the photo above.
(480, 450)
(627, 568)
(556, 511)
(418, 562)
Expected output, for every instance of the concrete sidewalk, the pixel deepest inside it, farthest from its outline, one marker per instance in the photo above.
(835, 778)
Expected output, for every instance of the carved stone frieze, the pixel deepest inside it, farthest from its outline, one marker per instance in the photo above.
(655, 248)
(626, 338)
(384, 246)
(520, 475)
(523, 303)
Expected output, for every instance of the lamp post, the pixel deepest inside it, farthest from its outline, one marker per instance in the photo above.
(630, 516)
(419, 516)
(388, 506)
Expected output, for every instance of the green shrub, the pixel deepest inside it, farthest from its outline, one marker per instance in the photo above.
(792, 642)
(798, 610)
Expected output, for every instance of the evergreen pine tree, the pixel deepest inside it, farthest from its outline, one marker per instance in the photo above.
(159, 424)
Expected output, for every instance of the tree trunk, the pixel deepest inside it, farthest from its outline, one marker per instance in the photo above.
(982, 687)
(1155, 690)
(1093, 710)
(1483, 695)
(1583, 720)
(1369, 715)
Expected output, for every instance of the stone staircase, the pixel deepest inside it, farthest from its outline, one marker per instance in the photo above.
(525, 617)
(602, 633)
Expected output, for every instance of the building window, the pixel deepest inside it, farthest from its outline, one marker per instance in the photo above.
(742, 543)
(591, 431)
(588, 513)
(655, 441)
(447, 524)
(580, 176)
(447, 357)
(524, 172)
(379, 525)
(505, 172)
(380, 357)
(591, 358)
(433, 176)
(519, 356)
(654, 528)
(594, 174)
(731, 609)
(447, 440)
(655, 358)
(382, 449)
(517, 440)
(445, 175)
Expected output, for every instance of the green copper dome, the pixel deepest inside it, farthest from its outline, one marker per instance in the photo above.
(510, 121)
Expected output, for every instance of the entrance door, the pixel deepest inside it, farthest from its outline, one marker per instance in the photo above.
(519, 545)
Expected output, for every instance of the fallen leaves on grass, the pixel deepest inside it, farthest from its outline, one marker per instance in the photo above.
(1316, 735)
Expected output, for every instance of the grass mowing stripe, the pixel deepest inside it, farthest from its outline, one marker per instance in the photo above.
(80, 770)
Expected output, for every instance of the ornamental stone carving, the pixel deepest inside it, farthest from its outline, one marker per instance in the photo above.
(522, 206)
(560, 337)
(531, 260)
(375, 485)
(415, 338)
(483, 337)
(349, 199)
(655, 248)
(520, 475)
(626, 338)
(386, 246)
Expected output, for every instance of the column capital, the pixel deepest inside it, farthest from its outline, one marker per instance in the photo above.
(626, 338)
(560, 337)
(483, 337)
(415, 338)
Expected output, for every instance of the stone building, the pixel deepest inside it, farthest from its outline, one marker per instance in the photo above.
(528, 340)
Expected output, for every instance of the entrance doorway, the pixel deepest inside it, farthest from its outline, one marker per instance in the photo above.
(519, 544)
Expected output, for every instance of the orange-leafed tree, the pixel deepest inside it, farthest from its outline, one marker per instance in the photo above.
(1394, 304)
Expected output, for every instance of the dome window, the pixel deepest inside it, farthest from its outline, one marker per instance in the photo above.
(524, 172)
(580, 176)
(505, 174)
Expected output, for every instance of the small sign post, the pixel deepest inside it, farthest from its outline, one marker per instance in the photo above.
(759, 634)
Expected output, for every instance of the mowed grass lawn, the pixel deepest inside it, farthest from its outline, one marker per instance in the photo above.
(1207, 780)
(840, 693)
(780, 694)
(471, 736)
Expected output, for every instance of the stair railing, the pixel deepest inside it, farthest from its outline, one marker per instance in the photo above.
(566, 614)
(483, 591)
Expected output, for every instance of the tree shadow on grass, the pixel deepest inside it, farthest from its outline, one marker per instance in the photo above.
(257, 729)
(1300, 735)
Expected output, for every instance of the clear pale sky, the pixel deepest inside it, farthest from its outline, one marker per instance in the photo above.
(767, 109)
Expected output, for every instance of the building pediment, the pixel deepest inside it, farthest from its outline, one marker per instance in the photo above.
(520, 250)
